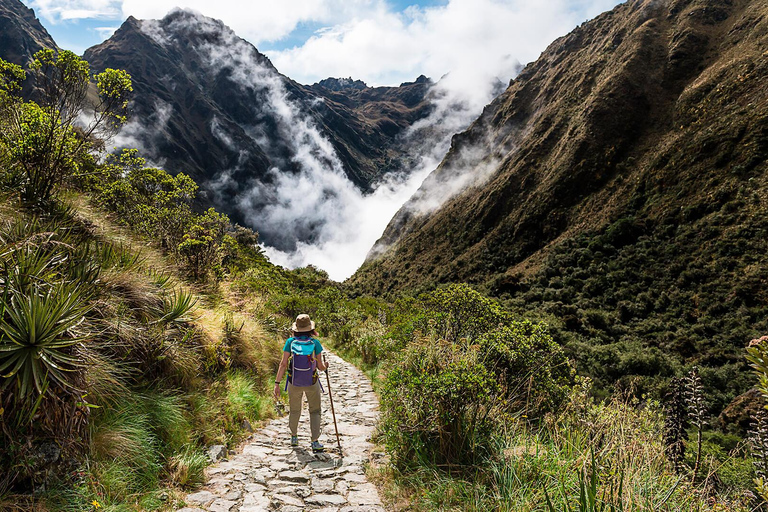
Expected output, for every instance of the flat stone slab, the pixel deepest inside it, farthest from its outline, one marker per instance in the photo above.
(326, 499)
(221, 505)
(293, 476)
(200, 498)
(288, 500)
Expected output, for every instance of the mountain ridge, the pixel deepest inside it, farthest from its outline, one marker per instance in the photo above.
(617, 191)
(615, 122)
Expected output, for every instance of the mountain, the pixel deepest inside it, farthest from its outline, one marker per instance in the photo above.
(207, 103)
(647, 108)
(618, 189)
(21, 35)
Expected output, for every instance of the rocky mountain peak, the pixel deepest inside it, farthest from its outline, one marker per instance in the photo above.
(21, 34)
(340, 84)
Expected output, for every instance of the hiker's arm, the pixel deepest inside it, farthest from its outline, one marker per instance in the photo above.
(321, 362)
(280, 372)
(282, 368)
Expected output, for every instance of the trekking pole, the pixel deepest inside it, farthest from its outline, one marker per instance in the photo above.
(330, 397)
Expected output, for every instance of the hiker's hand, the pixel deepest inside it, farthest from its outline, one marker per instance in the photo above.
(277, 391)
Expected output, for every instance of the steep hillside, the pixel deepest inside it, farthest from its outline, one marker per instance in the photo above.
(650, 107)
(628, 163)
(209, 104)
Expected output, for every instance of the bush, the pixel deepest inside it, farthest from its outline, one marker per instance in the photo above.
(445, 402)
(441, 405)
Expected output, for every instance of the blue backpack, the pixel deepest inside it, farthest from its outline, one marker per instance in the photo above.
(302, 369)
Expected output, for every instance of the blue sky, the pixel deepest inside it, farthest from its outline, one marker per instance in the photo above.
(383, 42)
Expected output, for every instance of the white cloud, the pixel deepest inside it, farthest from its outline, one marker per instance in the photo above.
(476, 43)
(256, 20)
(56, 11)
(471, 38)
(105, 32)
(370, 39)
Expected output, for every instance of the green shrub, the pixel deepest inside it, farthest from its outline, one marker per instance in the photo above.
(441, 405)
(533, 369)
(444, 402)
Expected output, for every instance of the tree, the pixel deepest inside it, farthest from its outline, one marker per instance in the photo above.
(202, 244)
(43, 144)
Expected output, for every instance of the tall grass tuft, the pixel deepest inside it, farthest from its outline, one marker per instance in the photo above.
(244, 401)
(187, 467)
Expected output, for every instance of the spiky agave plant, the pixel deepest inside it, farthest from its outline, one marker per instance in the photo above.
(40, 307)
(177, 307)
(36, 336)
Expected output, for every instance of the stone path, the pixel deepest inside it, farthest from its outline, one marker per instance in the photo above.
(268, 475)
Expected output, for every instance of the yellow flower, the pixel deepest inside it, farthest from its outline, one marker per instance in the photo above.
(96, 504)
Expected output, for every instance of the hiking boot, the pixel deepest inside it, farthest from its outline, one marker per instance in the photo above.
(294, 440)
(317, 447)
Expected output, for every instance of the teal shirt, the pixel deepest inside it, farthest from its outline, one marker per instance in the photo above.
(317, 348)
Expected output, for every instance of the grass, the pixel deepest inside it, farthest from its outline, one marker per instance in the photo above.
(245, 401)
(594, 457)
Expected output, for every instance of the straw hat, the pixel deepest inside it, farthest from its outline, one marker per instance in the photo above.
(303, 324)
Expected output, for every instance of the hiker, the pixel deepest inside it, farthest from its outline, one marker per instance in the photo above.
(302, 351)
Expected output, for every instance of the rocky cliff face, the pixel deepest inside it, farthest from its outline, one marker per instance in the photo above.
(209, 104)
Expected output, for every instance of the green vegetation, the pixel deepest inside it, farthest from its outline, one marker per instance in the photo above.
(482, 411)
(118, 366)
(634, 306)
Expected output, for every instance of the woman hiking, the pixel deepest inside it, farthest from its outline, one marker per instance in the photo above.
(301, 358)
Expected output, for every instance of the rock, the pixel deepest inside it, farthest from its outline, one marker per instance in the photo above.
(217, 452)
(288, 500)
(234, 495)
(326, 499)
(190, 509)
(258, 452)
(738, 414)
(200, 498)
(367, 496)
(221, 505)
(322, 484)
(355, 478)
(293, 476)
(47, 453)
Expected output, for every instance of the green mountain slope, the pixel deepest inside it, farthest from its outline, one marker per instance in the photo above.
(617, 186)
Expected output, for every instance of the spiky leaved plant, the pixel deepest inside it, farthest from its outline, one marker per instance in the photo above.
(676, 424)
(757, 354)
(41, 307)
(697, 411)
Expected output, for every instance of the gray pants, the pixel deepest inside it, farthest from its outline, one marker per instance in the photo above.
(294, 406)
